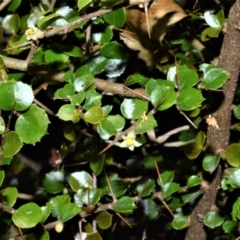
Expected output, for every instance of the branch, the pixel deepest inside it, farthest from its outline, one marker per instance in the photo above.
(217, 139)
(4, 4)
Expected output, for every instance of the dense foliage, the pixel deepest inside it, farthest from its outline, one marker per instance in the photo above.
(108, 120)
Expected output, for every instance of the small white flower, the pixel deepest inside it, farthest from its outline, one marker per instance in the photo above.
(129, 141)
(34, 33)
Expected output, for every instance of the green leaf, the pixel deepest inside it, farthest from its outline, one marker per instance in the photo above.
(78, 98)
(137, 79)
(82, 4)
(118, 187)
(93, 99)
(11, 23)
(46, 210)
(210, 33)
(94, 115)
(233, 154)
(236, 111)
(68, 211)
(167, 176)
(170, 188)
(213, 220)
(193, 181)
(133, 108)
(114, 50)
(27, 216)
(83, 78)
(188, 197)
(106, 129)
(230, 226)
(103, 35)
(2, 176)
(104, 220)
(14, 5)
(53, 56)
(214, 78)
(66, 92)
(12, 144)
(149, 208)
(57, 204)
(44, 22)
(96, 162)
(15, 95)
(236, 210)
(69, 133)
(116, 18)
(73, 51)
(144, 125)
(89, 197)
(161, 93)
(145, 187)
(180, 221)
(80, 180)
(32, 125)
(210, 163)
(66, 112)
(10, 195)
(124, 205)
(190, 99)
(234, 179)
(53, 182)
(97, 64)
(94, 236)
(214, 19)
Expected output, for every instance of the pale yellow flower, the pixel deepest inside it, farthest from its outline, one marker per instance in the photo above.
(129, 141)
(34, 33)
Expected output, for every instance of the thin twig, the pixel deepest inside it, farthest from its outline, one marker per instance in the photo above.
(4, 4)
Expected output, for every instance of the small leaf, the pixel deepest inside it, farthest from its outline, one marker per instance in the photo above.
(79, 180)
(32, 125)
(82, 4)
(96, 163)
(103, 35)
(193, 181)
(27, 216)
(116, 18)
(133, 108)
(234, 179)
(2, 126)
(66, 92)
(10, 195)
(188, 197)
(213, 219)
(104, 220)
(167, 176)
(124, 205)
(66, 112)
(210, 163)
(11, 23)
(230, 226)
(68, 211)
(94, 115)
(97, 64)
(73, 51)
(46, 210)
(145, 187)
(44, 22)
(233, 154)
(149, 208)
(53, 182)
(144, 125)
(236, 111)
(180, 221)
(236, 210)
(14, 5)
(2, 176)
(69, 133)
(57, 204)
(214, 19)
(170, 188)
(190, 99)
(12, 143)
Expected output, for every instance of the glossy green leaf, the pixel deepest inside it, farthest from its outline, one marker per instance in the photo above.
(2, 176)
(210, 163)
(44, 22)
(78, 98)
(103, 35)
(230, 226)
(210, 33)
(69, 133)
(53, 182)
(66, 112)
(213, 220)
(10, 195)
(234, 179)
(14, 5)
(214, 78)
(170, 188)
(27, 216)
(137, 79)
(114, 50)
(190, 99)
(15, 95)
(236, 111)
(236, 210)
(161, 93)
(82, 4)
(188, 197)
(117, 121)
(32, 125)
(11, 23)
(89, 197)
(133, 108)
(83, 78)
(143, 125)
(73, 51)
(66, 92)
(80, 180)
(116, 18)
(97, 64)
(193, 181)
(96, 162)
(119, 187)
(12, 144)
(233, 154)
(92, 99)
(68, 211)
(124, 205)
(214, 19)
(106, 129)
(205, 67)
(55, 57)
(104, 220)
(93, 236)
(145, 187)
(180, 221)
(46, 211)
(57, 204)
(167, 176)
(94, 115)
(149, 208)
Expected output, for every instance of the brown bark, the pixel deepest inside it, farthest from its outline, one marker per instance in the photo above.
(217, 139)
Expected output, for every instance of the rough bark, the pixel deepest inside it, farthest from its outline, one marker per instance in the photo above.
(217, 139)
